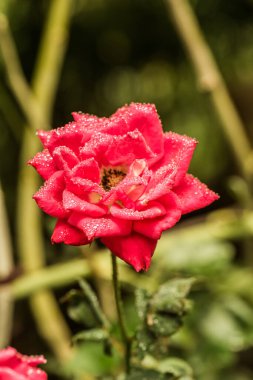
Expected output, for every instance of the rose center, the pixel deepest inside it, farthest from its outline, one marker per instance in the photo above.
(111, 177)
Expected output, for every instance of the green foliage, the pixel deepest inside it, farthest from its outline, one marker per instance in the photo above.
(220, 326)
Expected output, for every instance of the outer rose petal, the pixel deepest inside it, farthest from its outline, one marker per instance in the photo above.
(49, 196)
(71, 135)
(134, 249)
(178, 151)
(153, 228)
(193, 194)
(67, 234)
(14, 366)
(43, 163)
(100, 227)
(10, 374)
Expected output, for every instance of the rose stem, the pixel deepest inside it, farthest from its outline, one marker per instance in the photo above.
(119, 306)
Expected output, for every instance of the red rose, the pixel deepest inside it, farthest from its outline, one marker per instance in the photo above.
(14, 366)
(120, 179)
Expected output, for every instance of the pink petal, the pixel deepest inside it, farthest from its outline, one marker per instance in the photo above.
(160, 184)
(106, 226)
(72, 202)
(153, 228)
(123, 150)
(15, 366)
(139, 116)
(86, 120)
(9, 374)
(43, 163)
(124, 190)
(134, 249)
(8, 355)
(193, 194)
(82, 186)
(71, 135)
(96, 147)
(49, 196)
(67, 234)
(64, 158)
(152, 210)
(178, 151)
(87, 169)
(34, 360)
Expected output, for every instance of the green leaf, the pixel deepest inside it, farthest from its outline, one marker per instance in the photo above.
(95, 335)
(141, 300)
(90, 358)
(80, 311)
(145, 374)
(170, 297)
(177, 367)
(163, 325)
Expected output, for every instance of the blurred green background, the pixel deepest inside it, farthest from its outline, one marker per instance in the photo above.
(128, 50)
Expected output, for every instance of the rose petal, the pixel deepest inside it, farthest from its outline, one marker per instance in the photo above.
(193, 194)
(72, 202)
(87, 169)
(125, 149)
(15, 366)
(106, 226)
(153, 228)
(71, 135)
(64, 158)
(134, 249)
(10, 374)
(49, 196)
(43, 163)
(82, 186)
(161, 182)
(152, 210)
(67, 234)
(178, 151)
(139, 116)
(96, 147)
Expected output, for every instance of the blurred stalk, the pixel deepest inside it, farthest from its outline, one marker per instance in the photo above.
(16, 77)
(210, 80)
(11, 114)
(54, 276)
(120, 312)
(47, 314)
(6, 267)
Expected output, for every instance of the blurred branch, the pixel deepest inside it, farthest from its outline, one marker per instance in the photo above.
(6, 267)
(49, 320)
(50, 277)
(16, 77)
(210, 80)
(10, 112)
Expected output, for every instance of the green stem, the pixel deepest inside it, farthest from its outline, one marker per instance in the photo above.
(119, 306)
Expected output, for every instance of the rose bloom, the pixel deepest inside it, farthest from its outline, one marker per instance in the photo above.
(120, 179)
(15, 366)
